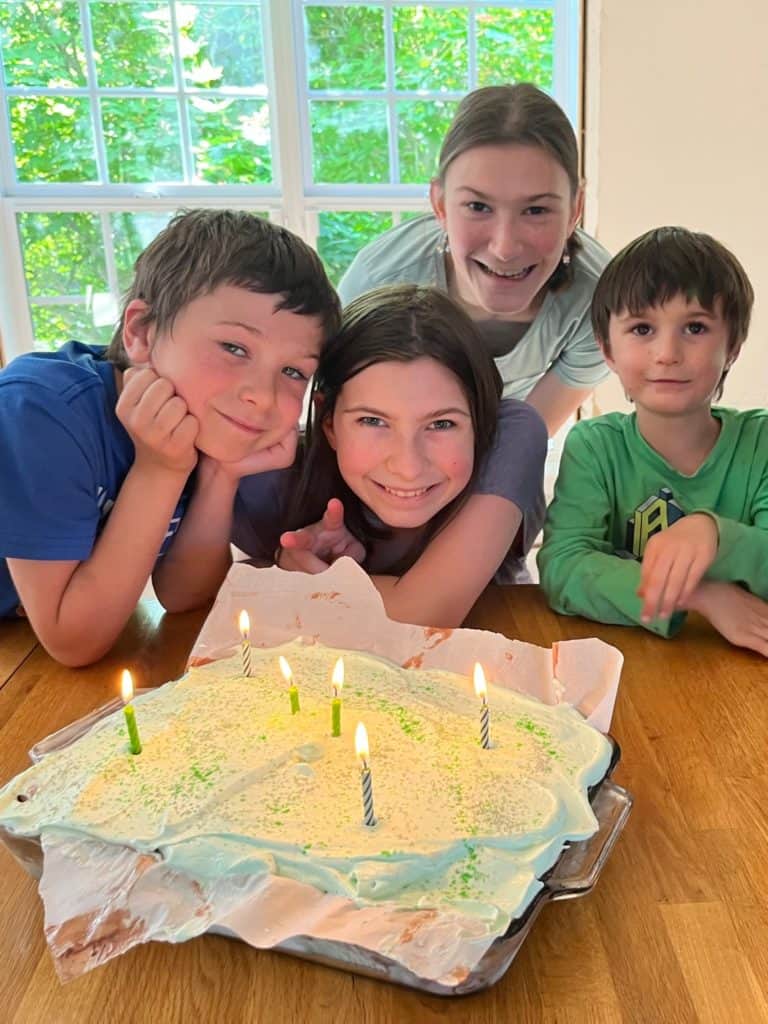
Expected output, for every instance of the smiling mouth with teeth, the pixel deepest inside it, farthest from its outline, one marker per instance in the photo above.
(398, 493)
(506, 275)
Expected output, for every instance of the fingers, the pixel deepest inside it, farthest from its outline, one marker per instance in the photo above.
(333, 519)
(297, 540)
(297, 560)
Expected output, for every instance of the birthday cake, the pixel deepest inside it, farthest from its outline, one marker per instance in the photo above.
(231, 787)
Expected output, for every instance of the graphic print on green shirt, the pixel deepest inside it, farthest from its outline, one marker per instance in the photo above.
(655, 514)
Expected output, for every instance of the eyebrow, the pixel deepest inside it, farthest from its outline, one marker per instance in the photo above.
(526, 199)
(436, 414)
(256, 330)
(646, 313)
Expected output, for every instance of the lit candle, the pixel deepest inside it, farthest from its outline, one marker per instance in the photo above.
(293, 692)
(481, 690)
(361, 749)
(130, 716)
(245, 629)
(337, 681)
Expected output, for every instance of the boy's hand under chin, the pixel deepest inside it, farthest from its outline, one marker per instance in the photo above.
(736, 614)
(158, 421)
(314, 548)
(280, 455)
(674, 563)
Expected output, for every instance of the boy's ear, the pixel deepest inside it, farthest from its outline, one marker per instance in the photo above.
(437, 199)
(606, 354)
(138, 335)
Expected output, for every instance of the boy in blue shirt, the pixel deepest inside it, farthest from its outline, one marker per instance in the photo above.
(666, 510)
(114, 457)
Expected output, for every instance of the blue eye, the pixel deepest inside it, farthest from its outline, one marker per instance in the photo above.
(475, 206)
(371, 421)
(294, 374)
(643, 330)
(696, 327)
(234, 349)
(442, 424)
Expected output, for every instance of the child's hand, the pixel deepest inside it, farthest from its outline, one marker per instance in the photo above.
(280, 455)
(314, 548)
(674, 562)
(736, 614)
(157, 419)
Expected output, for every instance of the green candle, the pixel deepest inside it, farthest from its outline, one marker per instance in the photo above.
(337, 681)
(336, 716)
(130, 714)
(293, 693)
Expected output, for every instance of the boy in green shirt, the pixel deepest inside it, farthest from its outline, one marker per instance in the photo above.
(666, 510)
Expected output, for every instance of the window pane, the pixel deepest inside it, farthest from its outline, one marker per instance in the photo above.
(349, 141)
(345, 48)
(421, 127)
(63, 253)
(431, 48)
(142, 139)
(222, 46)
(52, 138)
(131, 234)
(55, 325)
(342, 235)
(230, 140)
(515, 46)
(42, 43)
(132, 44)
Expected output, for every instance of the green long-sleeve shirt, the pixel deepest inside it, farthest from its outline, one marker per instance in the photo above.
(614, 492)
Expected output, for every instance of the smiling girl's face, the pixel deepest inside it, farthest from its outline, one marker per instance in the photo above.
(508, 211)
(404, 440)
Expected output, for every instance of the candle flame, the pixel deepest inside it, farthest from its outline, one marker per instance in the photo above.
(127, 686)
(480, 688)
(337, 679)
(285, 668)
(245, 624)
(361, 743)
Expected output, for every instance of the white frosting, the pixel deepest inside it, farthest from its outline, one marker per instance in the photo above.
(229, 782)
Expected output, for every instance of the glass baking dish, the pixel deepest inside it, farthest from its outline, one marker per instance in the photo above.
(574, 874)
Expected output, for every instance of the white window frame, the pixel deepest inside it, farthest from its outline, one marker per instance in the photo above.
(293, 199)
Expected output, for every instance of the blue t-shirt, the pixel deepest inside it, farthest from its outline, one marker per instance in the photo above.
(63, 458)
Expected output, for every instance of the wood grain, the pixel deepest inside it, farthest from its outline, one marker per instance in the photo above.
(676, 930)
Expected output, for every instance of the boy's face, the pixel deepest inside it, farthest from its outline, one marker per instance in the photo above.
(404, 439)
(671, 358)
(241, 366)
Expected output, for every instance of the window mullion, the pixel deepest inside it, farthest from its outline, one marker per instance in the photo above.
(15, 314)
(187, 163)
(93, 95)
(284, 73)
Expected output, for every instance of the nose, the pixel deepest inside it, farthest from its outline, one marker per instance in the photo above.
(506, 242)
(405, 458)
(667, 349)
(259, 392)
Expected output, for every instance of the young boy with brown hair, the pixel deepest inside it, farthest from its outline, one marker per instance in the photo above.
(124, 462)
(666, 510)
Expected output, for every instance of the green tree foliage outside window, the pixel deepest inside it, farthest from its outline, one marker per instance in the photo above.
(195, 110)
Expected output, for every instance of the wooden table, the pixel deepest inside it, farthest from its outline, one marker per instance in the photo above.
(676, 930)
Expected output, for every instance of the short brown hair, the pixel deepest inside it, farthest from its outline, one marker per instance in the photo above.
(199, 250)
(670, 261)
(522, 115)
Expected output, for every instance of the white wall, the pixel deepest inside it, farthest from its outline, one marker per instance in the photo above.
(676, 118)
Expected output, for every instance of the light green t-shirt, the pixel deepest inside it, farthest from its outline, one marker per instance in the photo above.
(559, 338)
(614, 492)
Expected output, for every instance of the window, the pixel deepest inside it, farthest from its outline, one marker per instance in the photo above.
(326, 117)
